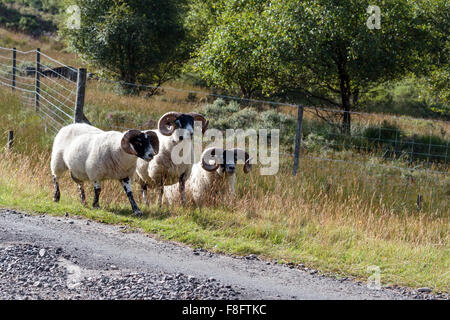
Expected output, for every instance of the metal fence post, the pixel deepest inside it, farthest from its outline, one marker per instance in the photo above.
(10, 139)
(298, 139)
(38, 78)
(13, 84)
(81, 89)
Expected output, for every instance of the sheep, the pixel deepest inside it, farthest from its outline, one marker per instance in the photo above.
(91, 154)
(209, 182)
(174, 127)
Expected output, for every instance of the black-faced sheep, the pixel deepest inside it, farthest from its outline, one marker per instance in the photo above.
(208, 181)
(91, 154)
(174, 128)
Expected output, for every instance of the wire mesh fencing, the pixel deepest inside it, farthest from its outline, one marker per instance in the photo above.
(43, 83)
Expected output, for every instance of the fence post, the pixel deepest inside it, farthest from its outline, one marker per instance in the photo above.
(81, 89)
(412, 150)
(13, 84)
(10, 139)
(446, 153)
(38, 78)
(429, 149)
(298, 139)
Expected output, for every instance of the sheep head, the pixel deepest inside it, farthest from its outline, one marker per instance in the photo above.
(225, 159)
(144, 145)
(171, 121)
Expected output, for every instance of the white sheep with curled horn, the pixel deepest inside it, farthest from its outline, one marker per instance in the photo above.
(173, 128)
(91, 154)
(213, 178)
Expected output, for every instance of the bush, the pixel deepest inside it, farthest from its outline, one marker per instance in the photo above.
(387, 133)
(32, 24)
(225, 115)
(287, 125)
(28, 24)
(219, 109)
(314, 142)
(426, 147)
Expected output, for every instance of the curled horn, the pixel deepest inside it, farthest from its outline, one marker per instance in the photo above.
(125, 143)
(154, 141)
(166, 124)
(208, 154)
(243, 155)
(199, 117)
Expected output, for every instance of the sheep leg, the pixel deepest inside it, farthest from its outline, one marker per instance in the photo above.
(161, 192)
(144, 193)
(97, 190)
(80, 189)
(127, 187)
(181, 188)
(57, 194)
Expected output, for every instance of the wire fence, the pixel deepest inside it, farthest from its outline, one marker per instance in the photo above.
(50, 87)
(43, 84)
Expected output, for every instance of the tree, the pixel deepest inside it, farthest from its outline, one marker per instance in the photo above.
(436, 15)
(232, 55)
(322, 49)
(327, 52)
(135, 41)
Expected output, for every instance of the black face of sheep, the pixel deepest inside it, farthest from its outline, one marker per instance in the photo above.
(225, 160)
(229, 163)
(144, 145)
(186, 123)
(182, 124)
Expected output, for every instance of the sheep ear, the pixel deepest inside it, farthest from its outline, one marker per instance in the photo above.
(154, 141)
(125, 143)
(199, 117)
(208, 155)
(166, 124)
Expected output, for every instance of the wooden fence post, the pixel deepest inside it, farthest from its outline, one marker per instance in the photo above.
(13, 84)
(446, 153)
(38, 78)
(298, 139)
(10, 139)
(81, 89)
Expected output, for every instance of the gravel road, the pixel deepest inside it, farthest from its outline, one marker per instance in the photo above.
(46, 257)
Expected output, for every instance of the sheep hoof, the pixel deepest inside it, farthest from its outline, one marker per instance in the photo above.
(137, 213)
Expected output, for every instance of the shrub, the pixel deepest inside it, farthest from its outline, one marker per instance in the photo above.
(426, 147)
(387, 133)
(314, 142)
(287, 125)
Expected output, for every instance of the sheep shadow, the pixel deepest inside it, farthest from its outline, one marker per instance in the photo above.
(147, 212)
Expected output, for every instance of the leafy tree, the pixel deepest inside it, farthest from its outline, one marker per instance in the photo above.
(233, 54)
(327, 52)
(322, 49)
(201, 17)
(135, 41)
(436, 14)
